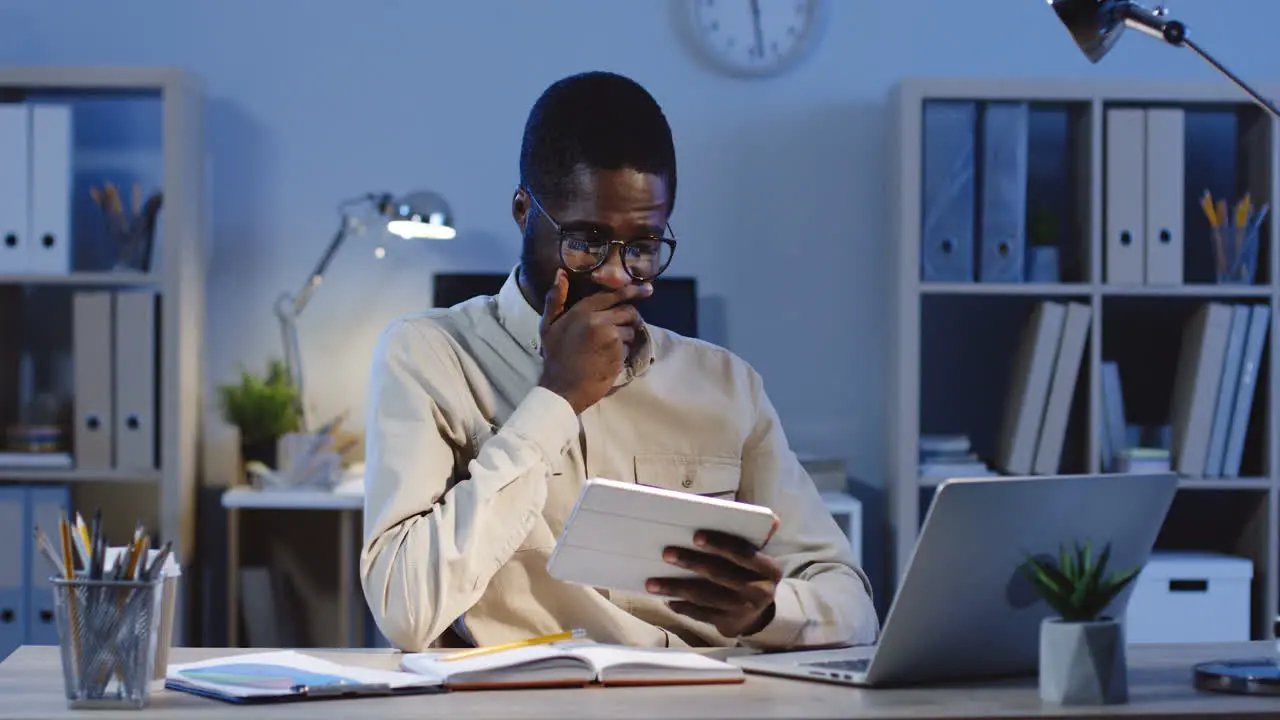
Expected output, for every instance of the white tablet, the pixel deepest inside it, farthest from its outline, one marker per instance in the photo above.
(617, 531)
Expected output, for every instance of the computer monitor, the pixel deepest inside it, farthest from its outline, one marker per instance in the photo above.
(673, 305)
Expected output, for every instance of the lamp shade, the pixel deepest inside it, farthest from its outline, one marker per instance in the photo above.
(420, 215)
(1095, 25)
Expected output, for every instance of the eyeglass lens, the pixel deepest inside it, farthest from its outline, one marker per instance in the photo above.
(644, 258)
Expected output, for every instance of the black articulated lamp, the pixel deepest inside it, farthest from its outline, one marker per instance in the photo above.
(416, 216)
(1097, 25)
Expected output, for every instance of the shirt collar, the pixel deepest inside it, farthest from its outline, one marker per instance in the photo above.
(524, 324)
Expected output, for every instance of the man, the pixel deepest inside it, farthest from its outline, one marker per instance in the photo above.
(486, 419)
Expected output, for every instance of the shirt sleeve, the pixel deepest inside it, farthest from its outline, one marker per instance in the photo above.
(430, 550)
(824, 599)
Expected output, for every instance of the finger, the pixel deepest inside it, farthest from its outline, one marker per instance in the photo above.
(620, 315)
(555, 300)
(744, 581)
(625, 294)
(697, 612)
(697, 591)
(739, 551)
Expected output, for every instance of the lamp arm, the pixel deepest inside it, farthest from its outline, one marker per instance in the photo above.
(1156, 24)
(1270, 106)
(289, 307)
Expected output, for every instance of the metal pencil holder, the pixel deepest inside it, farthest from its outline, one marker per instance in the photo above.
(107, 632)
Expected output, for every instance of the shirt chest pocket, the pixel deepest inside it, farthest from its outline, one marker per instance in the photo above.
(710, 476)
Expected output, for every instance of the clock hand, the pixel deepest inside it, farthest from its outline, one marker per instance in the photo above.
(755, 19)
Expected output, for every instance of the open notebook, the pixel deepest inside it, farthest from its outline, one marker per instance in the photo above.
(573, 664)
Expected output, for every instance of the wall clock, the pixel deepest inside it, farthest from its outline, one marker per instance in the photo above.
(754, 38)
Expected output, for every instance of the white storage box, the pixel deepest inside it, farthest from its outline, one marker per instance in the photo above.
(1188, 597)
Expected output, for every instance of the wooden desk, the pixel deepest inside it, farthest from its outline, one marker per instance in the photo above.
(1160, 686)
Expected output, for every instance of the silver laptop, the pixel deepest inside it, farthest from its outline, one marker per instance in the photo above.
(963, 610)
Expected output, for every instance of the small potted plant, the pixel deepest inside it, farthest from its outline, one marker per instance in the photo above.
(263, 408)
(1082, 650)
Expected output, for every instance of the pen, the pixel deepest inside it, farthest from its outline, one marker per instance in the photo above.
(541, 640)
(157, 565)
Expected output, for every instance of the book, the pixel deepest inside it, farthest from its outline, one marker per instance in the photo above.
(285, 676)
(572, 664)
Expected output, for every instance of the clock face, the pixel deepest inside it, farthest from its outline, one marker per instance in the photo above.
(755, 37)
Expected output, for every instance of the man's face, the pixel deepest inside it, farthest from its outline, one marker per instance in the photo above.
(622, 204)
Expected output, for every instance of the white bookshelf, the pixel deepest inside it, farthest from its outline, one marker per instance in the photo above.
(1236, 515)
(165, 496)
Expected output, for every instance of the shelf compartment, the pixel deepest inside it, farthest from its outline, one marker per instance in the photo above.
(968, 349)
(1144, 337)
(976, 226)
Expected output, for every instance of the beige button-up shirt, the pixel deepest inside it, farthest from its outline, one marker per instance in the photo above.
(472, 470)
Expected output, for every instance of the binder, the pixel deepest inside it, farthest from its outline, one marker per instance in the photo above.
(92, 358)
(1066, 370)
(950, 191)
(1227, 390)
(1164, 192)
(15, 223)
(1005, 150)
(1124, 216)
(135, 380)
(13, 589)
(1195, 387)
(1115, 423)
(1029, 388)
(45, 504)
(49, 251)
(1255, 341)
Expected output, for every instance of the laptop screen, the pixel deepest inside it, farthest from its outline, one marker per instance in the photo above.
(673, 305)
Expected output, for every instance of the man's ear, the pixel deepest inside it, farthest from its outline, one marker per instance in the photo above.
(520, 206)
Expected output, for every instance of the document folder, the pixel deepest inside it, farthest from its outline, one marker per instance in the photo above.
(13, 588)
(92, 360)
(1164, 193)
(135, 380)
(49, 252)
(15, 222)
(1125, 215)
(45, 505)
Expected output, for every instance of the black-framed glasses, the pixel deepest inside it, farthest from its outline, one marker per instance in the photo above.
(585, 250)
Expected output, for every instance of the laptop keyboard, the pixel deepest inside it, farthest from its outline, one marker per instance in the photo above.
(858, 665)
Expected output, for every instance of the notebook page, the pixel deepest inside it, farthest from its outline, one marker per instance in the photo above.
(433, 665)
(603, 657)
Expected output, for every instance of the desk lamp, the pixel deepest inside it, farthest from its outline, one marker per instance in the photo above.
(417, 215)
(1096, 26)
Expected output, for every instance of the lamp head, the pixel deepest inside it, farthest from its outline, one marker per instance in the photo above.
(418, 215)
(1096, 25)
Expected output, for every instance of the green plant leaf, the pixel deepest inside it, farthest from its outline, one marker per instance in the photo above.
(1077, 586)
(262, 407)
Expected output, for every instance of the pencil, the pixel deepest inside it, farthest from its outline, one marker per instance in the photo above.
(64, 527)
(540, 640)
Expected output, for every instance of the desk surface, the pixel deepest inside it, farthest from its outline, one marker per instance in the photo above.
(343, 498)
(1160, 686)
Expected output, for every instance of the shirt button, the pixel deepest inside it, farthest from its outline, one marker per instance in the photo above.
(687, 483)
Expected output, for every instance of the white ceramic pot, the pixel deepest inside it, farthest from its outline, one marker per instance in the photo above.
(1083, 663)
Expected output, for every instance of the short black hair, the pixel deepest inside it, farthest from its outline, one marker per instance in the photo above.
(598, 121)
